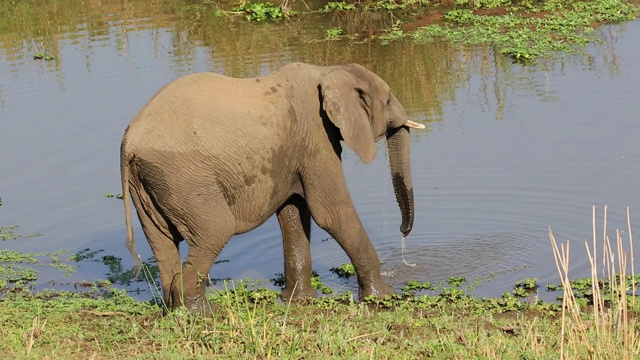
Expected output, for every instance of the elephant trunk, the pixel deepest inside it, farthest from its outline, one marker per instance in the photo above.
(398, 143)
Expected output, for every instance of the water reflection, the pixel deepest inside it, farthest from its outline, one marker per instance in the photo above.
(510, 149)
(195, 36)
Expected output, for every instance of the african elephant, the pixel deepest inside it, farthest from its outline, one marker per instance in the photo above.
(212, 156)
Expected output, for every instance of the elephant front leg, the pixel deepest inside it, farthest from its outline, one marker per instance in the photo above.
(295, 223)
(333, 210)
(355, 242)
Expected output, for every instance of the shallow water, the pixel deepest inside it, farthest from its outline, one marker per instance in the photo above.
(510, 150)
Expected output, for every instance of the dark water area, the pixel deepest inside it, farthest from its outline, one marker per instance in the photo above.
(509, 149)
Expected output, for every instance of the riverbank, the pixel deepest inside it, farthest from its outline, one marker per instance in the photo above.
(593, 318)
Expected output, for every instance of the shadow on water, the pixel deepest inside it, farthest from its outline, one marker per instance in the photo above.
(509, 149)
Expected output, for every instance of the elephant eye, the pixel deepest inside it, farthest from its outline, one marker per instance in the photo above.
(362, 95)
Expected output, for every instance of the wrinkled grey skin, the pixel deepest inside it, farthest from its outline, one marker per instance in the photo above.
(211, 156)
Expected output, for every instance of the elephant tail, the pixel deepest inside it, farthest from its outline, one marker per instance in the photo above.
(125, 173)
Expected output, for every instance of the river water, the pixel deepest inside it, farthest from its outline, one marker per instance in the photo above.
(509, 149)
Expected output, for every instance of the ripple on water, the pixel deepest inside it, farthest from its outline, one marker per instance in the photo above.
(475, 256)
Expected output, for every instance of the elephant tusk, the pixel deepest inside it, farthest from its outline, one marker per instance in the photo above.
(414, 125)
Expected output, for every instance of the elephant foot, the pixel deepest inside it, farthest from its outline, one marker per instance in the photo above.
(199, 306)
(300, 293)
(202, 307)
(189, 292)
(378, 289)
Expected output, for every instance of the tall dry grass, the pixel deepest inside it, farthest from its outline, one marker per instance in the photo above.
(609, 328)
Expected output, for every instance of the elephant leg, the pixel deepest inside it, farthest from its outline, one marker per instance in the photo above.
(207, 227)
(165, 250)
(295, 224)
(332, 209)
(163, 239)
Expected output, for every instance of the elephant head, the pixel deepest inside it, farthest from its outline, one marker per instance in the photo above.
(363, 108)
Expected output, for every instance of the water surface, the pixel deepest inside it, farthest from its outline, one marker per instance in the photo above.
(509, 151)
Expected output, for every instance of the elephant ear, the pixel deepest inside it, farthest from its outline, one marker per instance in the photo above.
(347, 105)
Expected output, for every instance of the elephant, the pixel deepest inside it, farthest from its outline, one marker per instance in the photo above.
(212, 156)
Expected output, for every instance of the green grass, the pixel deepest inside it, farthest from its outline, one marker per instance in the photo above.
(526, 33)
(250, 326)
(251, 323)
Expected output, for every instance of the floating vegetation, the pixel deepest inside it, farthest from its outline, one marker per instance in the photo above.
(334, 33)
(265, 11)
(316, 282)
(346, 270)
(43, 56)
(392, 34)
(337, 6)
(524, 288)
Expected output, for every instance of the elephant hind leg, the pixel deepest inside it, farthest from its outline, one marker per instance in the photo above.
(295, 224)
(206, 223)
(163, 238)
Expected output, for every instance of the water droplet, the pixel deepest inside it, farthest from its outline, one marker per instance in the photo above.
(403, 259)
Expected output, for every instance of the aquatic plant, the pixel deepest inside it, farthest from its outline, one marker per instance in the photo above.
(392, 34)
(345, 270)
(316, 282)
(264, 11)
(413, 285)
(337, 6)
(524, 288)
(334, 33)
(43, 56)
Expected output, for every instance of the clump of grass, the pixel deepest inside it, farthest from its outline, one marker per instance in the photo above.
(611, 329)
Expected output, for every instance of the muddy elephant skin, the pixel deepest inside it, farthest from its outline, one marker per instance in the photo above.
(212, 156)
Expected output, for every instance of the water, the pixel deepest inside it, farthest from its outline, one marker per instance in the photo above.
(510, 150)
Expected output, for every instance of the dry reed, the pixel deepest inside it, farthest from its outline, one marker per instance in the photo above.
(610, 331)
